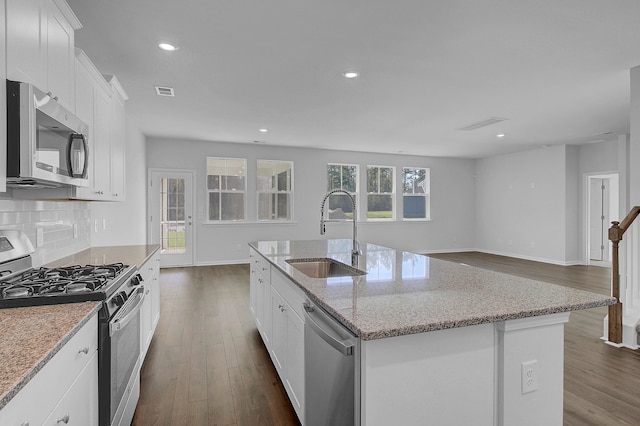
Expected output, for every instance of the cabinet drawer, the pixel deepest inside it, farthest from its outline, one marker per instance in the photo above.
(79, 406)
(50, 384)
(151, 268)
(289, 291)
(260, 265)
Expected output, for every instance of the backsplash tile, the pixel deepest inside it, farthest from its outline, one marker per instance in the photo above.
(56, 219)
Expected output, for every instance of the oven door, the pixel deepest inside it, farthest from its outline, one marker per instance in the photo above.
(123, 356)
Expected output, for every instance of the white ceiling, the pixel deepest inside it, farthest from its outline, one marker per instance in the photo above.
(558, 70)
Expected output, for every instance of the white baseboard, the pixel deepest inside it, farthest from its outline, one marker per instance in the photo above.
(532, 258)
(223, 262)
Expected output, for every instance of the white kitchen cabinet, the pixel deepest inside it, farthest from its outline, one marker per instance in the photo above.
(67, 384)
(118, 140)
(40, 46)
(3, 104)
(276, 304)
(150, 312)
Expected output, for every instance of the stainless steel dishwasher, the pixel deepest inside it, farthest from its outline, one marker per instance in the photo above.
(332, 371)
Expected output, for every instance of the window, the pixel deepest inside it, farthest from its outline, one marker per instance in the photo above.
(226, 187)
(172, 209)
(415, 193)
(380, 191)
(275, 194)
(345, 177)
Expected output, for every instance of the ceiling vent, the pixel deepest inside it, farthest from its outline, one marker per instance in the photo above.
(485, 123)
(164, 91)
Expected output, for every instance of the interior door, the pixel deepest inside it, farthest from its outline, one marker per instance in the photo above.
(171, 216)
(598, 219)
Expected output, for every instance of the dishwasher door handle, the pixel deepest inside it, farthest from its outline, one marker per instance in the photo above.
(345, 349)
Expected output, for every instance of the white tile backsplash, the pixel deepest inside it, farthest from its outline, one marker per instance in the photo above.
(56, 219)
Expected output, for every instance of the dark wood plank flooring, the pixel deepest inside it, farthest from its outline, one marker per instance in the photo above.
(207, 365)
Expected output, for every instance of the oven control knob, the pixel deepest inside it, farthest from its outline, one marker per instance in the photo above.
(120, 298)
(136, 280)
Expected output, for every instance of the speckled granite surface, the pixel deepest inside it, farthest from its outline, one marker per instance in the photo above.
(130, 255)
(30, 337)
(405, 293)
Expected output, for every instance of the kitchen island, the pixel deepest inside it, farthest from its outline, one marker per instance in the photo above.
(442, 343)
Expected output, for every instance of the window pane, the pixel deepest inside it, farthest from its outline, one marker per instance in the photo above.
(379, 206)
(213, 182)
(372, 179)
(214, 206)
(333, 176)
(283, 207)
(232, 206)
(340, 207)
(264, 206)
(233, 182)
(284, 181)
(349, 177)
(386, 179)
(414, 207)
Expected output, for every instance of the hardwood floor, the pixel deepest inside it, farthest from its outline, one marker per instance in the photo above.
(207, 365)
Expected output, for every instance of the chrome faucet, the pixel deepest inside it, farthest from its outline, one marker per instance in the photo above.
(355, 251)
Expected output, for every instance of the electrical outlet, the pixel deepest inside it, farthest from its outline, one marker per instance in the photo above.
(529, 376)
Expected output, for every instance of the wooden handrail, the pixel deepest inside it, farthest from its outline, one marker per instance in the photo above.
(616, 232)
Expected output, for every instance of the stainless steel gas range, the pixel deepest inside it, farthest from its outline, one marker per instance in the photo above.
(120, 290)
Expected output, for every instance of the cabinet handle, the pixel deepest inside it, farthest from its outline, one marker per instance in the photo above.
(260, 280)
(147, 292)
(115, 194)
(84, 350)
(64, 419)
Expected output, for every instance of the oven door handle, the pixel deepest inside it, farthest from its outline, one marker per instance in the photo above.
(127, 312)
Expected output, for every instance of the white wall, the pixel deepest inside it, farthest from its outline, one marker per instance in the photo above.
(452, 199)
(522, 204)
(125, 221)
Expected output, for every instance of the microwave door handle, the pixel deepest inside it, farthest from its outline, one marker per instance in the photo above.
(72, 173)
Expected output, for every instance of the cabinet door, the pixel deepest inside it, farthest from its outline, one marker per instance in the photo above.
(102, 145)
(60, 57)
(118, 136)
(278, 324)
(79, 406)
(26, 22)
(146, 331)
(155, 292)
(3, 105)
(294, 355)
(253, 289)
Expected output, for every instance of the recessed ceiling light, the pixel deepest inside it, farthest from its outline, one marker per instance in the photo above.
(167, 46)
(500, 135)
(351, 74)
(263, 130)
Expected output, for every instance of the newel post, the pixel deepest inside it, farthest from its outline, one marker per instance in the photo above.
(615, 311)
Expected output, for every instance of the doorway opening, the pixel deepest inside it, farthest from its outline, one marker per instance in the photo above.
(171, 216)
(602, 208)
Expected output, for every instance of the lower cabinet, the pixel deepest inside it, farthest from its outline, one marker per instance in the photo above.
(150, 311)
(65, 390)
(276, 305)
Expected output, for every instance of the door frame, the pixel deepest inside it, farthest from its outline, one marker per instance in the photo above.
(614, 201)
(150, 173)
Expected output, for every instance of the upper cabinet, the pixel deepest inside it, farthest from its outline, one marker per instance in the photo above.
(40, 46)
(3, 105)
(118, 136)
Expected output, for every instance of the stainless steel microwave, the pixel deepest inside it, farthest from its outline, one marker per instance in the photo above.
(46, 143)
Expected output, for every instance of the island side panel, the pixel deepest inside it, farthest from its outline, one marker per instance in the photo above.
(445, 377)
(536, 344)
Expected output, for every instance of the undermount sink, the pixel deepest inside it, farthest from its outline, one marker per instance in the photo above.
(324, 268)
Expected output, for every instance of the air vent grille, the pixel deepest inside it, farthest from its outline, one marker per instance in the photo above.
(164, 91)
(484, 123)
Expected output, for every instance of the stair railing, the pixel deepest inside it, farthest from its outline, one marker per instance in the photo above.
(616, 232)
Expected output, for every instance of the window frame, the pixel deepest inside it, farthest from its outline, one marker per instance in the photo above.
(426, 195)
(392, 194)
(275, 191)
(226, 191)
(353, 194)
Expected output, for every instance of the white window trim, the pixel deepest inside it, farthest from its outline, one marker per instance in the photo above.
(290, 192)
(355, 195)
(427, 206)
(392, 194)
(219, 191)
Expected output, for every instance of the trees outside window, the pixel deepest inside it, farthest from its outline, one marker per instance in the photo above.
(380, 192)
(226, 189)
(415, 193)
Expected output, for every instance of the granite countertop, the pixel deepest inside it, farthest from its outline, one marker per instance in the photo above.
(405, 293)
(31, 336)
